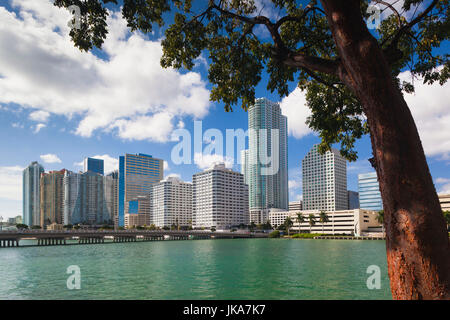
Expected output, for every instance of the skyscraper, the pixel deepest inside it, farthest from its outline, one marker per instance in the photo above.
(31, 194)
(137, 174)
(267, 180)
(93, 165)
(324, 181)
(87, 198)
(369, 192)
(111, 187)
(172, 203)
(52, 197)
(353, 200)
(220, 198)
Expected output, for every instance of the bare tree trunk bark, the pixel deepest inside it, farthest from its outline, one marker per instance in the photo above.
(417, 243)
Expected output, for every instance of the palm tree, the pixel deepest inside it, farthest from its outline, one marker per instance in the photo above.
(300, 219)
(288, 224)
(323, 218)
(312, 221)
(380, 219)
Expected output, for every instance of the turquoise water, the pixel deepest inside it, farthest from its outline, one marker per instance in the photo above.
(201, 269)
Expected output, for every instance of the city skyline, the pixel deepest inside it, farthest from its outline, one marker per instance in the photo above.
(59, 129)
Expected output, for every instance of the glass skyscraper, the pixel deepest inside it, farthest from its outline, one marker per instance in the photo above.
(324, 181)
(31, 194)
(137, 174)
(266, 190)
(94, 165)
(369, 192)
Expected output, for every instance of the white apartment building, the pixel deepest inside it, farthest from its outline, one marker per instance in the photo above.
(220, 198)
(172, 203)
(324, 181)
(357, 222)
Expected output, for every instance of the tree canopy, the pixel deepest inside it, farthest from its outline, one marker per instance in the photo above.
(300, 49)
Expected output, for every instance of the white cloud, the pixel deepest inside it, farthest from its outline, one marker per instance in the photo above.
(109, 163)
(294, 184)
(429, 107)
(50, 158)
(11, 183)
(206, 161)
(38, 127)
(294, 107)
(444, 185)
(39, 116)
(42, 70)
(166, 166)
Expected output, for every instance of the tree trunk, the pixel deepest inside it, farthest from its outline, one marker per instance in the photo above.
(417, 243)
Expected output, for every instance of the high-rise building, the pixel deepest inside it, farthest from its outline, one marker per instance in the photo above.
(86, 199)
(52, 197)
(93, 165)
(111, 185)
(353, 200)
(324, 181)
(172, 203)
(267, 180)
(369, 192)
(139, 211)
(31, 194)
(220, 198)
(137, 174)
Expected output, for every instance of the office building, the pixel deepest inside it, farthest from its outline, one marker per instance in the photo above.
(93, 165)
(137, 175)
(52, 197)
(111, 187)
(31, 194)
(353, 200)
(220, 198)
(357, 222)
(267, 180)
(369, 192)
(86, 200)
(172, 203)
(324, 181)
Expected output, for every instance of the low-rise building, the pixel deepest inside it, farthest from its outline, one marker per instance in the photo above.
(356, 222)
(444, 200)
(296, 205)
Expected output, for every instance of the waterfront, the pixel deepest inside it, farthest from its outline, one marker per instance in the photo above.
(204, 269)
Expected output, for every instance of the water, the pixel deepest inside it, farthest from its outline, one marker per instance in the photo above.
(201, 269)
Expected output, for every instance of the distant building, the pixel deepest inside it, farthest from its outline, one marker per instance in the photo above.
(353, 200)
(111, 190)
(220, 198)
(139, 211)
(357, 222)
(444, 200)
(31, 194)
(55, 226)
(52, 197)
(172, 203)
(296, 205)
(86, 200)
(266, 189)
(93, 165)
(324, 181)
(369, 192)
(137, 175)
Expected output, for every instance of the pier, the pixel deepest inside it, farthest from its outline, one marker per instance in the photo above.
(57, 238)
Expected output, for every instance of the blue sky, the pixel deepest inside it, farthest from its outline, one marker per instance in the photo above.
(58, 105)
